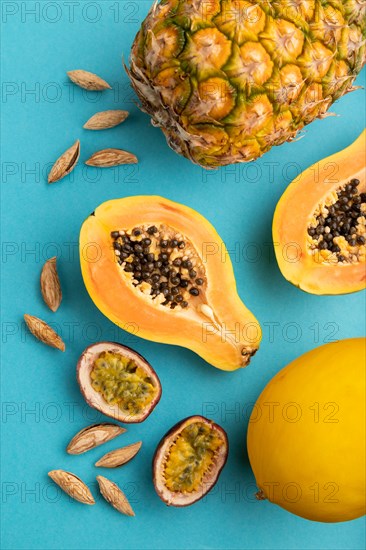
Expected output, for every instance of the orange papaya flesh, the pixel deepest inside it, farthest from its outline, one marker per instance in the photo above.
(205, 313)
(319, 226)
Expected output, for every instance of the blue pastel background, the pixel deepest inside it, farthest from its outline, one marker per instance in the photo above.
(43, 114)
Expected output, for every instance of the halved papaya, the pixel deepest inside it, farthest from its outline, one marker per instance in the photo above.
(319, 226)
(159, 266)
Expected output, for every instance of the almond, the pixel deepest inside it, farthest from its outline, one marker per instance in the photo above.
(113, 494)
(106, 119)
(44, 332)
(92, 436)
(65, 163)
(50, 284)
(72, 485)
(87, 80)
(111, 157)
(116, 458)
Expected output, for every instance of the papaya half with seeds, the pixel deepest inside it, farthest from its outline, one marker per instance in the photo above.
(160, 267)
(319, 226)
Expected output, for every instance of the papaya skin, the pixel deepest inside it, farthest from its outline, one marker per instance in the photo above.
(227, 343)
(291, 221)
(307, 450)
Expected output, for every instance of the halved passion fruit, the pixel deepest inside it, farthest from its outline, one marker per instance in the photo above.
(118, 382)
(188, 460)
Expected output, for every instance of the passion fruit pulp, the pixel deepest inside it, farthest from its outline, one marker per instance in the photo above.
(188, 461)
(118, 382)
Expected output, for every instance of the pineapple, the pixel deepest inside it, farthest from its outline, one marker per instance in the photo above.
(227, 79)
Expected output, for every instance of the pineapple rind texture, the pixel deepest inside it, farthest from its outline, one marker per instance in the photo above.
(228, 79)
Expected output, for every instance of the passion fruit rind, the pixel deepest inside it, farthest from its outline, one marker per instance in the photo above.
(205, 450)
(128, 390)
